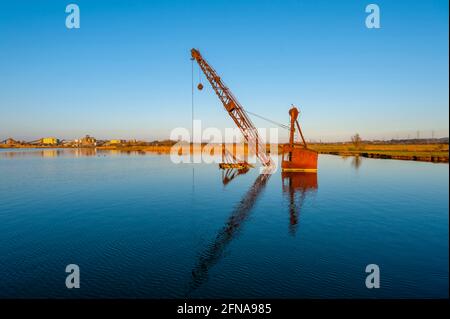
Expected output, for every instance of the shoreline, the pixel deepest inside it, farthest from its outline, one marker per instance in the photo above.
(434, 153)
(418, 158)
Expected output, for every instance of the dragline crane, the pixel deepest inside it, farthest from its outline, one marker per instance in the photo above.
(234, 109)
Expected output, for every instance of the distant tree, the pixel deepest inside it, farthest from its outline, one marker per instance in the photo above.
(356, 140)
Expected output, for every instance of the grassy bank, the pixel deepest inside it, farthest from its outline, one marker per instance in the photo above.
(416, 152)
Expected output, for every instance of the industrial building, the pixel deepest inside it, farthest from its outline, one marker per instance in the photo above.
(10, 141)
(88, 141)
(113, 142)
(50, 141)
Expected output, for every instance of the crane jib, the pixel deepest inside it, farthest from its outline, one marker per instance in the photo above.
(234, 109)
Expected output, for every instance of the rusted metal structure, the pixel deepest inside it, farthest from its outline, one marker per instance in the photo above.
(229, 160)
(234, 109)
(296, 157)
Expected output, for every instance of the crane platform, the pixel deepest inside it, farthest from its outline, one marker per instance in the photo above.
(234, 165)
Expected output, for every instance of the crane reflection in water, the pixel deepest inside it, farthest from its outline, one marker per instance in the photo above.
(297, 186)
(293, 183)
(215, 250)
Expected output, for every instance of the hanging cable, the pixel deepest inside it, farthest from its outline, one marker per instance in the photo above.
(268, 120)
(192, 103)
(192, 129)
(200, 85)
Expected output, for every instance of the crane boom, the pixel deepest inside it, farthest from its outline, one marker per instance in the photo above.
(234, 109)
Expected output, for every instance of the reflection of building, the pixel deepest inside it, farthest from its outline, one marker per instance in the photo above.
(49, 140)
(85, 152)
(297, 183)
(50, 153)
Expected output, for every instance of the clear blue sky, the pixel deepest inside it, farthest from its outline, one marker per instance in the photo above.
(126, 73)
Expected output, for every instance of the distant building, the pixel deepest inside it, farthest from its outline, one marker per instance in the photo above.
(88, 141)
(49, 140)
(117, 142)
(10, 141)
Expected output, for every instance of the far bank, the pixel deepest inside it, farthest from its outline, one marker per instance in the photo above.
(437, 153)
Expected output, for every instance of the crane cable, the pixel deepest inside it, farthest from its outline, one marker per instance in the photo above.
(276, 123)
(192, 103)
(286, 127)
(269, 120)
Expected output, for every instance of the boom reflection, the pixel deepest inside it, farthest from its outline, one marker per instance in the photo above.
(215, 250)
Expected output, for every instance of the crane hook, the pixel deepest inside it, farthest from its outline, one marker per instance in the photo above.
(200, 85)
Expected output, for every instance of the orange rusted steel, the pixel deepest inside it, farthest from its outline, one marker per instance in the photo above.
(293, 113)
(301, 134)
(234, 109)
(297, 157)
(231, 161)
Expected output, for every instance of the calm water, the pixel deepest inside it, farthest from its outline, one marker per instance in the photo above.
(140, 226)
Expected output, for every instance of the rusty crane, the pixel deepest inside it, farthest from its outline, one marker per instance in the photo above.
(234, 109)
(296, 157)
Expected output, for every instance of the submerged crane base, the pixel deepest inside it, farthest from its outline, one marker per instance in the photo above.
(299, 170)
(297, 158)
(234, 165)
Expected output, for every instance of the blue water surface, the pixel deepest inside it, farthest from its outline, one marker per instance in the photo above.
(140, 226)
